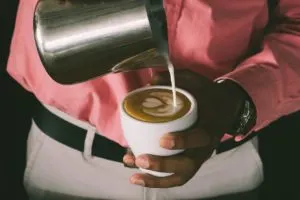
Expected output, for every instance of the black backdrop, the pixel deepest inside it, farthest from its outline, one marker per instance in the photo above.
(14, 116)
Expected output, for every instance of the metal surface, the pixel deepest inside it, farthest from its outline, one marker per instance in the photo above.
(81, 39)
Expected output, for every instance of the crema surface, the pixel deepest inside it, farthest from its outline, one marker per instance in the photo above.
(156, 105)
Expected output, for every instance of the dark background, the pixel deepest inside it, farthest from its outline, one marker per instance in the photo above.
(279, 146)
(14, 114)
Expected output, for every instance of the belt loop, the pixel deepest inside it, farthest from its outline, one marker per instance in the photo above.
(88, 143)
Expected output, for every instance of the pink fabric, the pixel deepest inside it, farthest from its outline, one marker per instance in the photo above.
(213, 38)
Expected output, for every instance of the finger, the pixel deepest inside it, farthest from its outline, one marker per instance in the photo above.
(193, 138)
(150, 181)
(184, 79)
(129, 159)
(163, 78)
(172, 164)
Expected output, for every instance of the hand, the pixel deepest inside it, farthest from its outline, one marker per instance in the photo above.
(218, 106)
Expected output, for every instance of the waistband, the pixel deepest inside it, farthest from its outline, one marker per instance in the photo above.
(73, 132)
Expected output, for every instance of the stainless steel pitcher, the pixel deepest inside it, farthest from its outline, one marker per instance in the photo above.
(81, 39)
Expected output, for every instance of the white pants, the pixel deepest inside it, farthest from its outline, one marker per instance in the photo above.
(55, 171)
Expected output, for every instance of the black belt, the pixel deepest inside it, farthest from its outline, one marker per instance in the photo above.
(74, 136)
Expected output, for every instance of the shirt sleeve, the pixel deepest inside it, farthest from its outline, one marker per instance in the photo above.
(272, 76)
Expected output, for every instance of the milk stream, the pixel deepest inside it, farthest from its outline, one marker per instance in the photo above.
(173, 84)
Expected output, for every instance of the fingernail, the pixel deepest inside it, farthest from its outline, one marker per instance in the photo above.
(127, 160)
(142, 162)
(167, 143)
(137, 181)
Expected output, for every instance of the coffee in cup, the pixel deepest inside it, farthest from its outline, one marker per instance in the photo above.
(155, 105)
(148, 113)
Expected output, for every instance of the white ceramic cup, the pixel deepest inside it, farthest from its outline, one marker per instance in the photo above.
(143, 137)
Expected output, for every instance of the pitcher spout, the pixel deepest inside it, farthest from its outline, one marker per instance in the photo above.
(150, 58)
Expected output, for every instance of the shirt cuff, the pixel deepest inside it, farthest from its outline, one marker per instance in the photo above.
(261, 85)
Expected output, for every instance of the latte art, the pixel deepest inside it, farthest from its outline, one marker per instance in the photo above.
(156, 105)
(160, 104)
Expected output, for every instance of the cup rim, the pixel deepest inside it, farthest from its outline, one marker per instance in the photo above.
(184, 92)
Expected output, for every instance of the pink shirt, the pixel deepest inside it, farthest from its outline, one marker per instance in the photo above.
(212, 37)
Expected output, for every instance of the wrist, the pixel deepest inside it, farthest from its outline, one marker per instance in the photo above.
(244, 112)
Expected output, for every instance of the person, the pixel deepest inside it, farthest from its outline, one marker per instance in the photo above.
(242, 76)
